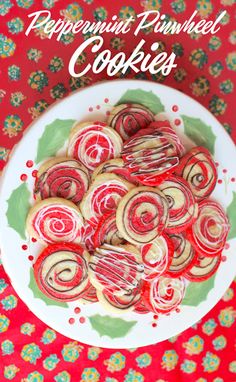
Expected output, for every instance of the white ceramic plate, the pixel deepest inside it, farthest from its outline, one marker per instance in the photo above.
(93, 325)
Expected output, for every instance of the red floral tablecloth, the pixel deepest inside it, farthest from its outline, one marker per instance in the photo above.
(33, 74)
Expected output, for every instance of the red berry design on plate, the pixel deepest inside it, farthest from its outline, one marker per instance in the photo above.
(23, 177)
(175, 108)
(29, 163)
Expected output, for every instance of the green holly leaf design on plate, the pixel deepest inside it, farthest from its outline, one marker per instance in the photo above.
(53, 138)
(110, 326)
(196, 292)
(145, 98)
(38, 294)
(231, 213)
(199, 132)
(18, 207)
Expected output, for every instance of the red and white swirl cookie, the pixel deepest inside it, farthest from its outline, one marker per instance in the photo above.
(164, 294)
(119, 304)
(183, 209)
(114, 166)
(107, 231)
(55, 220)
(184, 256)
(142, 215)
(204, 267)
(61, 271)
(127, 119)
(93, 143)
(150, 156)
(199, 170)
(103, 196)
(209, 232)
(62, 177)
(157, 257)
(116, 269)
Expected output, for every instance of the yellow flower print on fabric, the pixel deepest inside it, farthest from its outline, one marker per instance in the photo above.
(73, 12)
(204, 8)
(211, 362)
(35, 376)
(169, 360)
(149, 5)
(12, 125)
(188, 366)
(194, 345)
(90, 374)
(227, 317)
(71, 351)
(231, 61)
(4, 323)
(27, 328)
(93, 353)
(10, 371)
(31, 353)
(116, 362)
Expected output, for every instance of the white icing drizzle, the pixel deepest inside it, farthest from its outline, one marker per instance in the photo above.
(213, 240)
(150, 154)
(91, 155)
(106, 258)
(166, 293)
(54, 226)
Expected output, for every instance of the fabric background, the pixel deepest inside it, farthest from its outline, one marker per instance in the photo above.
(33, 74)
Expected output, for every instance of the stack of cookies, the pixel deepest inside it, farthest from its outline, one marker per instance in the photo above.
(125, 218)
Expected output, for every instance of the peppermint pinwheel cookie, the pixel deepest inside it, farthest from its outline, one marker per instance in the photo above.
(62, 177)
(127, 119)
(142, 215)
(103, 196)
(209, 232)
(93, 143)
(164, 294)
(151, 155)
(199, 170)
(55, 220)
(184, 256)
(116, 269)
(61, 271)
(183, 209)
